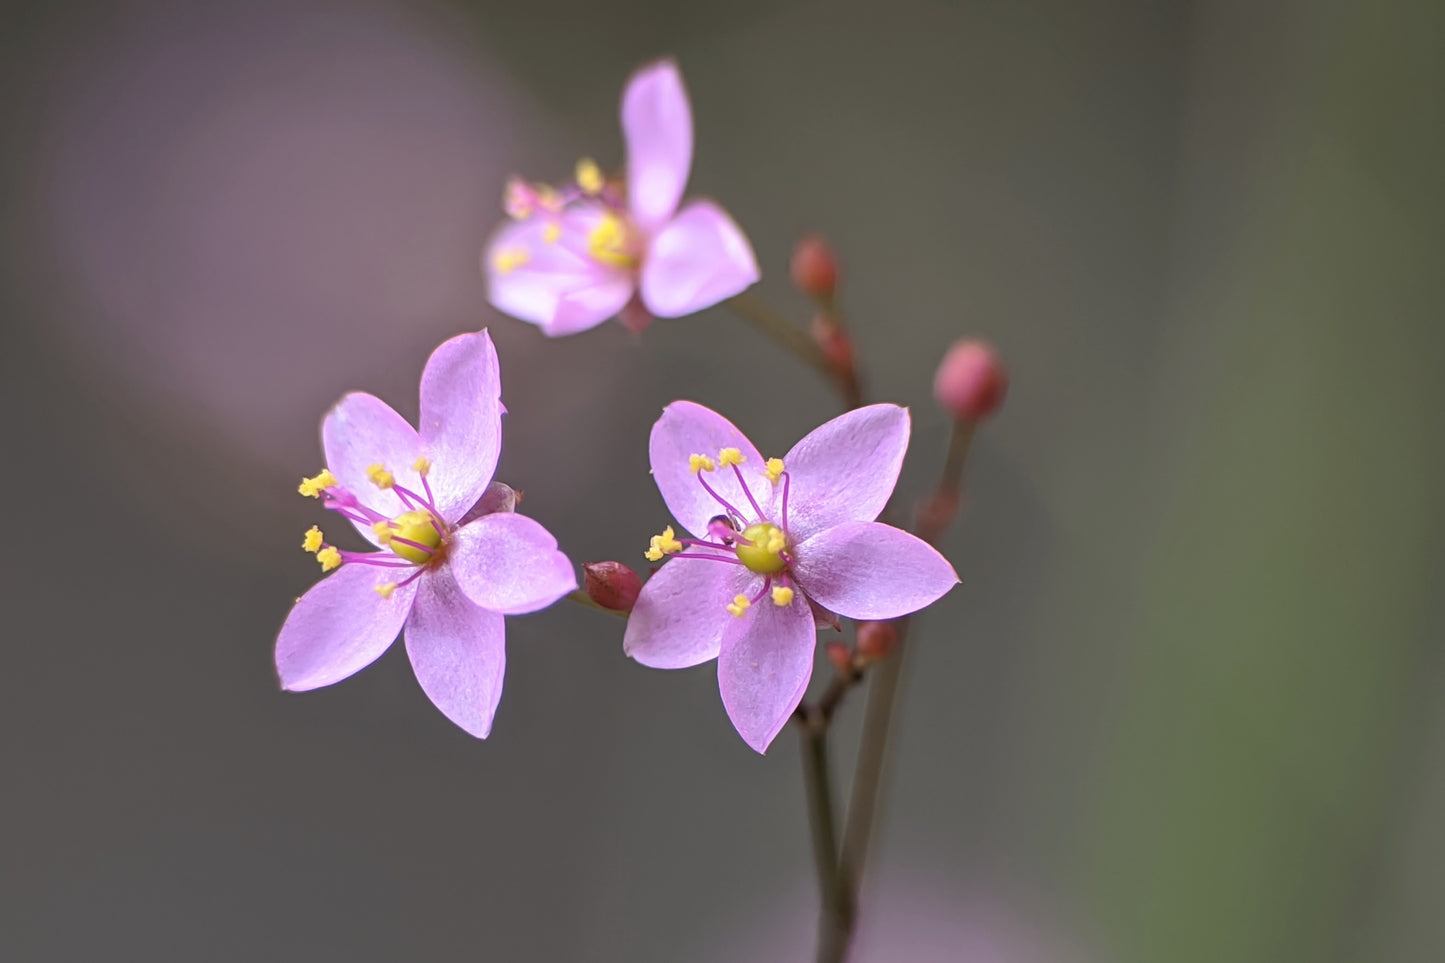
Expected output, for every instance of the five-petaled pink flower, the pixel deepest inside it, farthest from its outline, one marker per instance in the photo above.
(574, 257)
(452, 560)
(772, 536)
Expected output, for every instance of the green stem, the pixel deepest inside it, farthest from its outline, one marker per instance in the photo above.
(582, 598)
(884, 682)
(836, 923)
(777, 327)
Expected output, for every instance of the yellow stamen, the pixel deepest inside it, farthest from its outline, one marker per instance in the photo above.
(383, 531)
(738, 606)
(421, 466)
(664, 544)
(551, 232)
(385, 590)
(380, 477)
(782, 595)
(774, 469)
(314, 540)
(697, 463)
(607, 243)
(589, 176)
(329, 558)
(508, 259)
(313, 487)
(730, 456)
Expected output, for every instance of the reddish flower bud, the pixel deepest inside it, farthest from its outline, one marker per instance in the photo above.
(841, 658)
(971, 381)
(612, 585)
(813, 267)
(876, 639)
(497, 498)
(837, 346)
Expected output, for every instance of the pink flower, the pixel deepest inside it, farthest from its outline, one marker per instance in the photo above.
(453, 558)
(772, 536)
(576, 257)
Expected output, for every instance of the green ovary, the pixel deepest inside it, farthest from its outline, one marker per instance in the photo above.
(765, 554)
(414, 527)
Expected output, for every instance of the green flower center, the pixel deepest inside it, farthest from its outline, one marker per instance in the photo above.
(765, 553)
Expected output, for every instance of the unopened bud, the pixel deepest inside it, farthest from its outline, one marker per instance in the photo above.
(498, 497)
(971, 381)
(876, 639)
(814, 268)
(612, 585)
(835, 343)
(841, 658)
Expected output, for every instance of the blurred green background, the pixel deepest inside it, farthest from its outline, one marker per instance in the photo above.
(1186, 705)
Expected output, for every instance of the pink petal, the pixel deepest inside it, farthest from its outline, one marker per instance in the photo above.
(657, 123)
(764, 667)
(509, 563)
(845, 470)
(684, 429)
(554, 283)
(461, 420)
(341, 626)
(679, 617)
(458, 652)
(700, 258)
(360, 431)
(867, 570)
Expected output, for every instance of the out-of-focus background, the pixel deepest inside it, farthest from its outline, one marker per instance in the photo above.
(1187, 705)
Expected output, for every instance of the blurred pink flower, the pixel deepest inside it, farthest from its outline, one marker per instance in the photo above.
(777, 534)
(573, 258)
(444, 572)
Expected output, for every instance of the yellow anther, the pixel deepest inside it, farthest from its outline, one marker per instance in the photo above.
(551, 232)
(314, 540)
(782, 595)
(380, 477)
(730, 456)
(607, 243)
(383, 531)
(313, 487)
(774, 469)
(589, 176)
(421, 466)
(508, 259)
(697, 463)
(329, 558)
(664, 544)
(776, 543)
(738, 606)
(385, 590)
